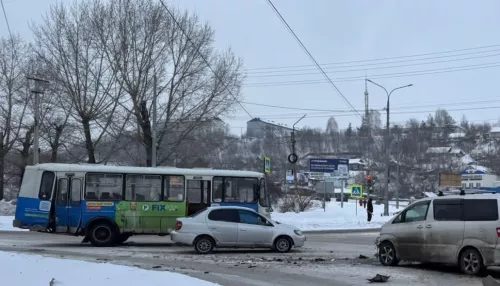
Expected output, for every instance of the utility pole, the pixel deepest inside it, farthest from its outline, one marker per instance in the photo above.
(293, 158)
(387, 149)
(153, 143)
(36, 140)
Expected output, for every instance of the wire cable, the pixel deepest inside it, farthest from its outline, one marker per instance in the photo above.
(7, 22)
(310, 56)
(382, 59)
(377, 76)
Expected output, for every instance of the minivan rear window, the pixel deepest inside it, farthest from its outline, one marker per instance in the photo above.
(448, 210)
(481, 210)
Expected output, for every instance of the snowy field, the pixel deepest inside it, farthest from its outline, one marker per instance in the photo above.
(337, 218)
(7, 211)
(35, 270)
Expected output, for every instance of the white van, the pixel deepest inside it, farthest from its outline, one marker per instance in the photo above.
(461, 230)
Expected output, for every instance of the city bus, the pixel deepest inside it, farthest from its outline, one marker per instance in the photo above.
(108, 204)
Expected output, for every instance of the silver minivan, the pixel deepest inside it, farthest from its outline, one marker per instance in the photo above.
(460, 230)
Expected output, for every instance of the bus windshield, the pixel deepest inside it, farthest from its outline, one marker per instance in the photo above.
(263, 197)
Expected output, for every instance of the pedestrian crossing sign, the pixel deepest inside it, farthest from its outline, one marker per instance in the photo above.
(356, 191)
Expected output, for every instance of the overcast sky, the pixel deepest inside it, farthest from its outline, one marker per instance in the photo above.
(348, 31)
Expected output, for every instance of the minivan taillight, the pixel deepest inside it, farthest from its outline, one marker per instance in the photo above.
(498, 231)
(178, 226)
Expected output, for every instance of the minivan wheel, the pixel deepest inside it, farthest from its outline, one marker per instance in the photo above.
(387, 254)
(204, 245)
(471, 262)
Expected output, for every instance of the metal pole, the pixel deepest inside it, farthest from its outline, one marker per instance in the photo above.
(294, 167)
(324, 196)
(388, 162)
(387, 149)
(342, 193)
(36, 139)
(154, 143)
(398, 185)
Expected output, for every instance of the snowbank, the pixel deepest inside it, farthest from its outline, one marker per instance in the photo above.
(6, 224)
(37, 270)
(7, 208)
(336, 218)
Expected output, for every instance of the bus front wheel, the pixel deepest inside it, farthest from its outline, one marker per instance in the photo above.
(102, 234)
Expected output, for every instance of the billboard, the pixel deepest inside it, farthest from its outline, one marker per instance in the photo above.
(338, 167)
(450, 180)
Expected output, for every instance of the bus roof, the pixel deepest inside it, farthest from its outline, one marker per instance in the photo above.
(61, 167)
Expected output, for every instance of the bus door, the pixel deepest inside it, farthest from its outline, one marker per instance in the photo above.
(199, 193)
(68, 203)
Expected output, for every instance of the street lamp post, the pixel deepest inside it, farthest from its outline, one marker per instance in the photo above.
(293, 158)
(388, 161)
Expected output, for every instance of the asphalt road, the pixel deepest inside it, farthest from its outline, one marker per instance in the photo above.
(326, 259)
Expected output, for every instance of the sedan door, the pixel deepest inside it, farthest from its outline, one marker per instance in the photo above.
(254, 230)
(223, 225)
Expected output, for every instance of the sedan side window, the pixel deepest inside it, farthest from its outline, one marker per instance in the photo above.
(224, 215)
(251, 218)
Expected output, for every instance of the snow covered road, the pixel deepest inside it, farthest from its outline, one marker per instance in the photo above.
(327, 259)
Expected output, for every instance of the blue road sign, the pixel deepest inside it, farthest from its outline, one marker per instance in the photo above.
(356, 191)
(328, 165)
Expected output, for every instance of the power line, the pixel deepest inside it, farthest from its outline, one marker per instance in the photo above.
(286, 73)
(203, 57)
(395, 107)
(401, 112)
(310, 56)
(380, 59)
(378, 76)
(7, 22)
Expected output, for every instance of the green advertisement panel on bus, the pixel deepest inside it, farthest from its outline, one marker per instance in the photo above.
(148, 217)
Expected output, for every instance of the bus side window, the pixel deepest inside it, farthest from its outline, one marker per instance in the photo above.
(218, 190)
(46, 185)
(62, 192)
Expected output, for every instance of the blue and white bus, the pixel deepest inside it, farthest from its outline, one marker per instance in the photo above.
(108, 204)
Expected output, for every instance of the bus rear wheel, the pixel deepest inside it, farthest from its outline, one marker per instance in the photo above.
(102, 234)
(121, 238)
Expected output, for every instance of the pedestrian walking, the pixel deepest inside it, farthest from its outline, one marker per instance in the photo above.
(369, 210)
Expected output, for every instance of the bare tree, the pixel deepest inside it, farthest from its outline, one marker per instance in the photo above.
(79, 69)
(142, 39)
(13, 97)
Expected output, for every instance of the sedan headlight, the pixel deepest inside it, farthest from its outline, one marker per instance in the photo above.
(298, 232)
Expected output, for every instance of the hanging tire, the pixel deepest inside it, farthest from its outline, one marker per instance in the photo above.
(471, 262)
(283, 244)
(102, 234)
(387, 254)
(204, 245)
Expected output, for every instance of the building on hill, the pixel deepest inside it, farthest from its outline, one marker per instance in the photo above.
(258, 128)
(474, 176)
(445, 151)
(495, 132)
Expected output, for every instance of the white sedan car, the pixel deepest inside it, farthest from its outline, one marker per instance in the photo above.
(237, 227)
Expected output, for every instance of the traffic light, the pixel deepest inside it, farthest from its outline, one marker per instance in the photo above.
(369, 181)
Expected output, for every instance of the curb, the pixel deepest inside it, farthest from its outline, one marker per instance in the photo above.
(354, 230)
